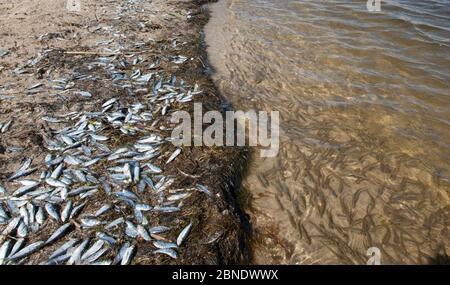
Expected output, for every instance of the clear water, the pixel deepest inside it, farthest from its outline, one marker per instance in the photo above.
(365, 113)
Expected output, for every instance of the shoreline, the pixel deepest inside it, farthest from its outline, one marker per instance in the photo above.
(220, 230)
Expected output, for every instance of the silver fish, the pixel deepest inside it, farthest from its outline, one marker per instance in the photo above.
(128, 255)
(57, 172)
(93, 249)
(90, 222)
(203, 189)
(5, 127)
(52, 212)
(109, 102)
(106, 238)
(158, 229)
(131, 230)
(22, 229)
(62, 249)
(58, 233)
(91, 259)
(76, 255)
(167, 251)
(183, 234)
(17, 246)
(40, 216)
(25, 189)
(102, 210)
(4, 251)
(22, 169)
(114, 223)
(163, 244)
(55, 183)
(65, 213)
(26, 251)
(143, 207)
(121, 252)
(98, 137)
(143, 233)
(11, 226)
(166, 209)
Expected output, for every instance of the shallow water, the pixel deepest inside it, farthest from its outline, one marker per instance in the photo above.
(365, 114)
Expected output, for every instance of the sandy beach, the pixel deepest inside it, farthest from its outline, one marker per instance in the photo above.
(58, 63)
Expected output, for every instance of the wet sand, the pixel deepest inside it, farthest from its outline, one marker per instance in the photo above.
(45, 42)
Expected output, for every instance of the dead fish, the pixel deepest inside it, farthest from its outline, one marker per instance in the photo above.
(69, 159)
(23, 212)
(40, 216)
(65, 213)
(131, 230)
(25, 189)
(6, 126)
(58, 233)
(121, 252)
(128, 255)
(52, 212)
(158, 229)
(67, 140)
(183, 234)
(203, 189)
(167, 251)
(26, 251)
(91, 260)
(12, 225)
(55, 183)
(76, 255)
(143, 207)
(37, 85)
(59, 259)
(136, 172)
(143, 233)
(57, 172)
(153, 168)
(94, 248)
(62, 249)
(174, 155)
(115, 223)
(106, 238)
(81, 190)
(22, 169)
(177, 197)
(90, 222)
(18, 245)
(102, 210)
(80, 175)
(4, 251)
(109, 102)
(164, 245)
(98, 137)
(91, 162)
(166, 209)
(22, 229)
(128, 195)
(31, 212)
